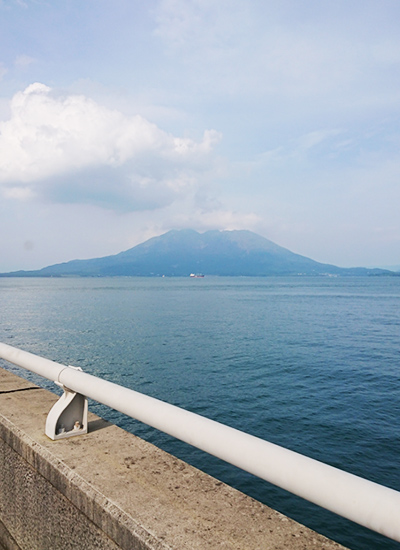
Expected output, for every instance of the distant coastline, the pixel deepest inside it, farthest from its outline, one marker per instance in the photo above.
(187, 253)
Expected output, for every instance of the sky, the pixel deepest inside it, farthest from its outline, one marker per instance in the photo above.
(123, 119)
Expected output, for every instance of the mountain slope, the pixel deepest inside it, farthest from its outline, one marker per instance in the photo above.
(179, 253)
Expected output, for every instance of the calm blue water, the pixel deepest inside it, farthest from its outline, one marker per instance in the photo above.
(310, 364)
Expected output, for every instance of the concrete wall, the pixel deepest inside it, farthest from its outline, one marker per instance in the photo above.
(111, 490)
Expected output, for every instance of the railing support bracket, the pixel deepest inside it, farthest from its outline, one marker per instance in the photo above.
(68, 416)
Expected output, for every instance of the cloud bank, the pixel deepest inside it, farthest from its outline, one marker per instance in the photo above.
(70, 149)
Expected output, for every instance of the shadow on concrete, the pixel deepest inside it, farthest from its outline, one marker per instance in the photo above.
(99, 424)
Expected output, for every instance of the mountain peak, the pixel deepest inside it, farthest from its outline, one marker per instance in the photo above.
(184, 251)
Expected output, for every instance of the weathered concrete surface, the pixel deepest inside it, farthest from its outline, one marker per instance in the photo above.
(7, 540)
(109, 489)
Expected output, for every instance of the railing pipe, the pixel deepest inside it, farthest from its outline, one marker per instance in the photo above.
(362, 501)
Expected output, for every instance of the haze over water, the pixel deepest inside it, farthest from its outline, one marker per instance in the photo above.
(311, 364)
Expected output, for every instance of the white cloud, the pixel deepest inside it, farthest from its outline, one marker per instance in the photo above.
(23, 61)
(317, 144)
(71, 149)
(222, 219)
(227, 220)
(20, 193)
(345, 55)
(315, 138)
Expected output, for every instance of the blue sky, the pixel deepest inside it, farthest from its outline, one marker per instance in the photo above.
(123, 119)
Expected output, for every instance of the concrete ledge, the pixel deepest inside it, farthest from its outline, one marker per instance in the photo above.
(111, 490)
(6, 540)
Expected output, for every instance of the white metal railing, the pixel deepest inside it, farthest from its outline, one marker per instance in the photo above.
(362, 501)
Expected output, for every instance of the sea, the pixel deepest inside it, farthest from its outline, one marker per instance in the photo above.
(311, 364)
